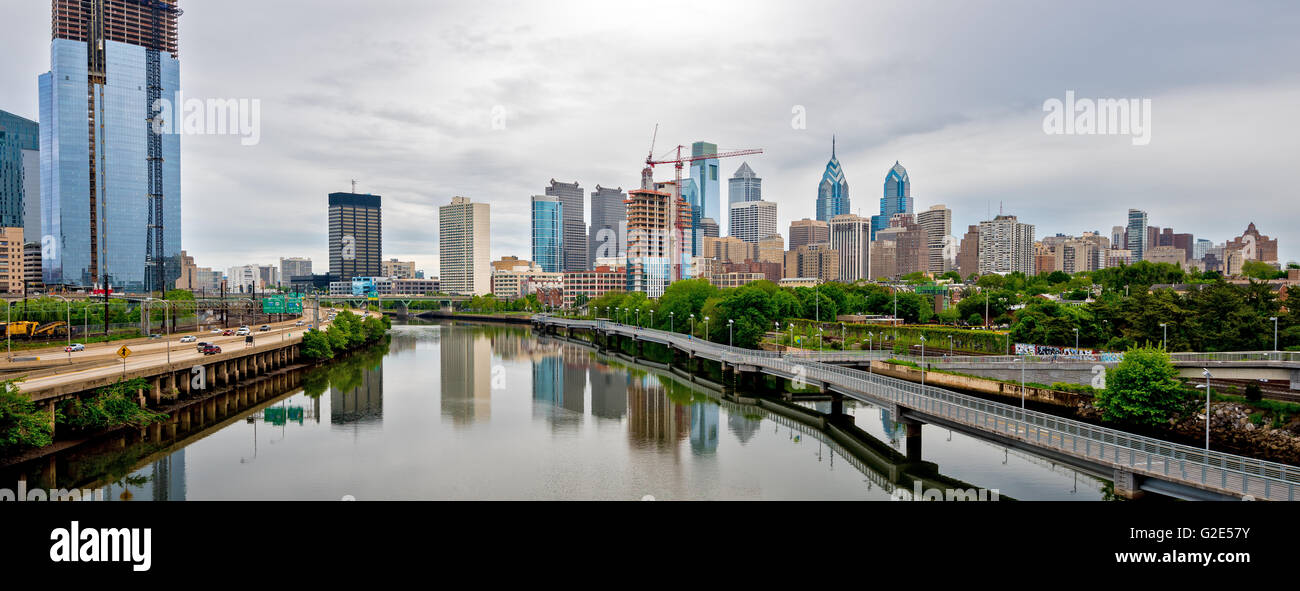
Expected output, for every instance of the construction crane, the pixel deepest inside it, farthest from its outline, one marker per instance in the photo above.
(678, 162)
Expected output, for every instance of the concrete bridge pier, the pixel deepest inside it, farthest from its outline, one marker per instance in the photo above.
(1126, 485)
(1295, 379)
(912, 440)
(837, 401)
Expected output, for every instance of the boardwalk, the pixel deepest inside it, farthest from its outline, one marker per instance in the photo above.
(1135, 462)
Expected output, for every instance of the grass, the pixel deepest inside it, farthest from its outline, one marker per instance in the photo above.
(29, 345)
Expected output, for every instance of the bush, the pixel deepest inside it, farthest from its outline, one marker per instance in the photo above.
(111, 406)
(22, 424)
(1142, 389)
(315, 345)
(1254, 393)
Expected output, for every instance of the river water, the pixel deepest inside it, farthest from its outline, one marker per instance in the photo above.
(493, 412)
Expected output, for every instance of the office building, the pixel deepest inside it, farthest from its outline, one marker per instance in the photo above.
(1137, 233)
(744, 186)
(937, 222)
(1254, 246)
(897, 198)
(291, 267)
(729, 249)
(812, 261)
(771, 249)
(651, 261)
(13, 274)
(706, 183)
(20, 175)
(548, 233)
(1167, 254)
(851, 239)
(1201, 247)
(110, 185)
(806, 231)
(752, 221)
(968, 255)
(355, 234)
(463, 247)
(708, 228)
(32, 266)
(396, 269)
(607, 234)
(833, 191)
(574, 227)
(581, 287)
(1006, 246)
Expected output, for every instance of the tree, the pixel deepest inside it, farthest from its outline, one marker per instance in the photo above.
(21, 423)
(1253, 392)
(316, 345)
(1260, 270)
(1142, 389)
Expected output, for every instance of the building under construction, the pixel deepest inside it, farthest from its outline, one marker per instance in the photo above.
(651, 262)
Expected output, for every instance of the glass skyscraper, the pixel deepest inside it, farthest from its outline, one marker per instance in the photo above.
(19, 184)
(897, 198)
(1137, 233)
(98, 194)
(548, 233)
(704, 174)
(833, 192)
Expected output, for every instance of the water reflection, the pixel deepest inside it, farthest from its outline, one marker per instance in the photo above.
(466, 363)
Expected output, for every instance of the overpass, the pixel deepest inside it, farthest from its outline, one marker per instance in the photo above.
(1134, 463)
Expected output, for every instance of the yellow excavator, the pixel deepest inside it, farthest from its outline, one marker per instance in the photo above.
(33, 330)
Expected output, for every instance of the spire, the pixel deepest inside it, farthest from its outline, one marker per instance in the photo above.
(832, 145)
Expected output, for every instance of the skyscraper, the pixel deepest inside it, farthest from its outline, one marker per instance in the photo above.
(704, 175)
(650, 257)
(110, 184)
(294, 267)
(744, 186)
(851, 238)
(897, 198)
(752, 221)
(548, 233)
(574, 225)
(937, 222)
(608, 223)
(356, 235)
(833, 192)
(20, 176)
(463, 247)
(1006, 246)
(806, 231)
(1137, 233)
(708, 229)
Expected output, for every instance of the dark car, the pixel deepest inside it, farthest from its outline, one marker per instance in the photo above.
(202, 346)
(211, 350)
(265, 327)
(228, 333)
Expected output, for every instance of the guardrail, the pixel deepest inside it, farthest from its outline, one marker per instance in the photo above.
(1140, 454)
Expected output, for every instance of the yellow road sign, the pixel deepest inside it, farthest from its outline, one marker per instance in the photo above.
(123, 352)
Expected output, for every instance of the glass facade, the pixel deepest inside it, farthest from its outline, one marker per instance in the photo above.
(121, 168)
(548, 233)
(19, 137)
(833, 192)
(704, 173)
(1137, 233)
(897, 198)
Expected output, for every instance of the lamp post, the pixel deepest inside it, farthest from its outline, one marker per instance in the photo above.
(950, 351)
(791, 324)
(672, 322)
(922, 364)
(638, 317)
(652, 318)
(1076, 338)
(730, 338)
(706, 328)
(871, 341)
(1274, 319)
(819, 339)
(67, 326)
(1206, 371)
(9, 350)
(1023, 360)
(844, 337)
(1164, 335)
(692, 324)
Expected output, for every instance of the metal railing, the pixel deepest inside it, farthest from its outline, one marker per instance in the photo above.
(1144, 455)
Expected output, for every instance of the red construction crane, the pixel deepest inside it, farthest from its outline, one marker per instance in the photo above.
(647, 182)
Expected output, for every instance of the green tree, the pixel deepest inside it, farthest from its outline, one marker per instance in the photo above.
(22, 424)
(316, 345)
(1142, 389)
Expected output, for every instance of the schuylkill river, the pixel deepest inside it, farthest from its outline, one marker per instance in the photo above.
(494, 412)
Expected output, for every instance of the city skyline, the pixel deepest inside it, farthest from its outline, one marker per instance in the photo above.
(1049, 181)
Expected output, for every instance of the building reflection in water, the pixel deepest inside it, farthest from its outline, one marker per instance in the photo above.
(743, 427)
(704, 428)
(608, 392)
(168, 478)
(359, 402)
(559, 387)
(466, 358)
(653, 419)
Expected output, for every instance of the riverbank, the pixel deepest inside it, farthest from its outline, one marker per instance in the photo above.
(521, 319)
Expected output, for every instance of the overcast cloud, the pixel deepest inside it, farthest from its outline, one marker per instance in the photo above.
(400, 96)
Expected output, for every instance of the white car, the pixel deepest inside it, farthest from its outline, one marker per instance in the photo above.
(243, 332)
(215, 331)
(189, 339)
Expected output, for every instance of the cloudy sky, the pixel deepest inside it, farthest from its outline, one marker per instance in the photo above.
(401, 95)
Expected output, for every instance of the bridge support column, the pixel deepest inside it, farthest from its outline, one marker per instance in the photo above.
(837, 401)
(155, 390)
(1126, 485)
(729, 376)
(913, 439)
(1295, 379)
(185, 382)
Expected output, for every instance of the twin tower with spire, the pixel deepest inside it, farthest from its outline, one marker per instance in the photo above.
(833, 193)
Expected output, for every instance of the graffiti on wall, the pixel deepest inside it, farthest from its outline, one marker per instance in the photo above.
(1069, 353)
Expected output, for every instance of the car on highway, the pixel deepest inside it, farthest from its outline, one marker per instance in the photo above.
(211, 349)
(74, 347)
(155, 336)
(243, 332)
(189, 339)
(215, 331)
(298, 323)
(227, 333)
(265, 327)
(202, 345)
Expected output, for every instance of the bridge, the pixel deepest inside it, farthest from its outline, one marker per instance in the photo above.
(1134, 463)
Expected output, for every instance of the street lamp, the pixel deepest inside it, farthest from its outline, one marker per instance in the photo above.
(652, 318)
(923, 364)
(1274, 319)
(67, 324)
(638, 317)
(706, 328)
(819, 339)
(950, 351)
(672, 322)
(730, 339)
(844, 337)
(1164, 335)
(1023, 361)
(791, 334)
(1076, 338)
(871, 341)
(1206, 372)
(692, 324)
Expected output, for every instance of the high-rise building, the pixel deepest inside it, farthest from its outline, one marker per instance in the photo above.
(395, 269)
(294, 267)
(729, 249)
(1137, 233)
(708, 187)
(250, 278)
(968, 256)
(1201, 247)
(937, 222)
(897, 198)
(463, 247)
(833, 191)
(1254, 246)
(813, 261)
(708, 229)
(650, 257)
(1118, 237)
(851, 238)
(806, 231)
(744, 186)
(1006, 246)
(753, 220)
(20, 175)
(13, 273)
(32, 266)
(574, 240)
(548, 233)
(607, 235)
(110, 181)
(356, 235)
(771, 249)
